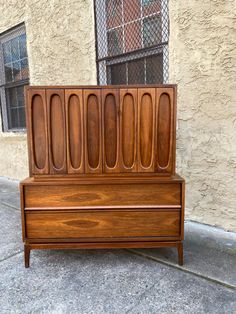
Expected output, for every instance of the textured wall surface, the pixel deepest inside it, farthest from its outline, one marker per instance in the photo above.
(61, 50)
(203, 64)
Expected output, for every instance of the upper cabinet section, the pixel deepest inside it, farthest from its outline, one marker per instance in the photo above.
(101, 130)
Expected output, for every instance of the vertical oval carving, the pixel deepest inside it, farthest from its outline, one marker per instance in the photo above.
(163, 130)
(110, 130)
(93, 129)
(146, 130)
(57, 131)
(128, 130)
(39, 132)
(75, 131)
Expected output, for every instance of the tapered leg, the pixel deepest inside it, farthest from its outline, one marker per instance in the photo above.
(180, 254)
(27, 255)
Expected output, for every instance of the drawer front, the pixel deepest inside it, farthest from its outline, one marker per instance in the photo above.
(102, 224)
(46, 196)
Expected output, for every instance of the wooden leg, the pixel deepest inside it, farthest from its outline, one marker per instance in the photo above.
(180, 254)
(27, 255)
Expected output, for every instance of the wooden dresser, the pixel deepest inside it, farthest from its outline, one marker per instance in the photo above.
(102, 169)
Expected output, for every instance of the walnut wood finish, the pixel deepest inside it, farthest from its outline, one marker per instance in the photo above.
(93, 131)
(100, 224)
(81, 130)
(37, 131)
(111, 130)
(146, 130)
(56, 130)
(89, 210)
(74, 130)
(102, 169)
(128, 130)
(67, 195)
(165, 130)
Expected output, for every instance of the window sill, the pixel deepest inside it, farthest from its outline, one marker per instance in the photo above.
(20, 134)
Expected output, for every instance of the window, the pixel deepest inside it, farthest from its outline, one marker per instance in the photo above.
(151, 31)
(147, 2)
(132, 41)
(14, 75)
(114, 40)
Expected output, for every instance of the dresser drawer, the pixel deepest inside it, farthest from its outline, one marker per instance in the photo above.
(99, 224)
(69, 196)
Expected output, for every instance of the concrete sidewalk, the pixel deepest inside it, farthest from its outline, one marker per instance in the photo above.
(115, 281)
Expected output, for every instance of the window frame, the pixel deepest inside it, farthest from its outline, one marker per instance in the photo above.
(103, 60)
(6, 36)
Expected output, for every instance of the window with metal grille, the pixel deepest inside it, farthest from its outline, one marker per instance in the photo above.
(14, 75)
(132, 41)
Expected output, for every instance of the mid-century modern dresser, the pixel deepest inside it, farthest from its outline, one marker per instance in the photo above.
(102, 169)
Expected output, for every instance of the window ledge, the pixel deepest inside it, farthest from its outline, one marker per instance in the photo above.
(16, 134)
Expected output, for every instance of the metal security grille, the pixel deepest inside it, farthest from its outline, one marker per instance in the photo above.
(14, 75)
(132, 41)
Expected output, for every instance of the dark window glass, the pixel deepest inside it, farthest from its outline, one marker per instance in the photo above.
(136, 73)
(24, 69)
(153, 72)
(8, 72)
(15, 52)
(7, 52)
(16, 112)
(22, 46)
(151, 31)
(16, 71)
(149, 2)
(118, 74)
(114, 42)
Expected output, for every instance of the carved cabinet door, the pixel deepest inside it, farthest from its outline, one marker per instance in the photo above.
(74, 130)
(165, 130)
(146, 130)
(93, 131)
(37, 131)
(56, 130)
(128, 130)
(111, 127)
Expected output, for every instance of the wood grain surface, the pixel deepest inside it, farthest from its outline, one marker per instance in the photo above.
(102, 169)
(100, 224)
(101, 129)
(102, 195)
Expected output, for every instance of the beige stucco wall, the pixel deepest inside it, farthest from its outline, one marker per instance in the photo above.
(203, 64)
(61, 50)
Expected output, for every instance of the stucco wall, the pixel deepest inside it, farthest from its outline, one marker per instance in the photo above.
(203, 64)
(61, 50)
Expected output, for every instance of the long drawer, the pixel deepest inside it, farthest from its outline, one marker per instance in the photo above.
(99, 224)
(77, 195)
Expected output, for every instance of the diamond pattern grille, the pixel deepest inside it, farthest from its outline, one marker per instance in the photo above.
(132, 41)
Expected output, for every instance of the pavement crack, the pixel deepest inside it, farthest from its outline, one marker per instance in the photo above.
(11, 206)
(210, 279)
(10, 256)
(144, 293)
